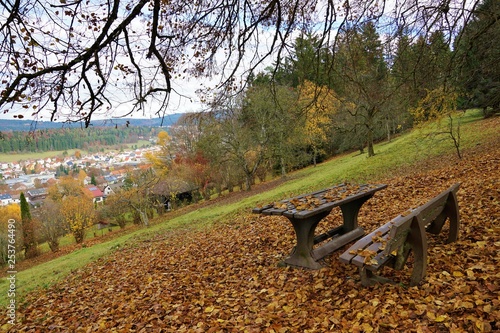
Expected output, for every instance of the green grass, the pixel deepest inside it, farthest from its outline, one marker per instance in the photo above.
(139, 144)
(402, 151)
(69, 239)
(14, 157)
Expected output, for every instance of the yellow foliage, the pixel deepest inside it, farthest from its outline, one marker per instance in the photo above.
(436, 104)
(160, 160)
(320, 104)
(12, 211)
(163, 138)
(79, 214)
(67, 186)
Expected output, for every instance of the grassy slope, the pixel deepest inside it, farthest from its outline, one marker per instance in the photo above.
(401, 152)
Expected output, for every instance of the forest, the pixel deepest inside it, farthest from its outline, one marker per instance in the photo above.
(72, 138)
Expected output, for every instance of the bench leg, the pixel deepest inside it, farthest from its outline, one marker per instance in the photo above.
(451, 212)
(350, 212)
(451, 209)
(369, 278)
(417, 239)
(304, 231)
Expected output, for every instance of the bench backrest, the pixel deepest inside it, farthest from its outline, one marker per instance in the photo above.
(441, 206)
(433, 208)
(398, 231)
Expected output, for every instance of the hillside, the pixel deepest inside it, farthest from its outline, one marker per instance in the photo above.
(222, 276)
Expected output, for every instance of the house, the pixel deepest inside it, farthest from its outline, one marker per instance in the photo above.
(19, 187)
(111, 179)
(97, 195)
(37, 194)
(6, 199)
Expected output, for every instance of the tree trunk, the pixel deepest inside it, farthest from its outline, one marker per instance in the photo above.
(144, 218)
(283, 168)
(388, 130)
(369, 138)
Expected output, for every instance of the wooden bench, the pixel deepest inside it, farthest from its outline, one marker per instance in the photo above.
(391, 244)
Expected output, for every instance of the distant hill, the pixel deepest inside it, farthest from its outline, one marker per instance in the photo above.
(27, 125)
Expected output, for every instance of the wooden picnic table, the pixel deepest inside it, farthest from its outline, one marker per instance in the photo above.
(306, 211)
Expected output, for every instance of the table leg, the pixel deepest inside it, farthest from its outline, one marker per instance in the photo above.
(301, 255)
(350, 212)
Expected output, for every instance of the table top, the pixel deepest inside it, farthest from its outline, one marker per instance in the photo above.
(310, 204)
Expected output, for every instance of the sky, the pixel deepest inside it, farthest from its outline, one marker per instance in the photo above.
(184, 98)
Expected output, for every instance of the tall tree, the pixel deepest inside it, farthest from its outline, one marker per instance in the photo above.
(137, 191)
(271, 114)
(52, 223)
(29, 240)
(8, 212)
(320, 103)
(478, 54)
(361, 65)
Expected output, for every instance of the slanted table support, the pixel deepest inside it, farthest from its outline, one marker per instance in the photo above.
(304, 232)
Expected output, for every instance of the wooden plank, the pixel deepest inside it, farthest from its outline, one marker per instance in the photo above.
(273, 211)
(375, 248)
(363, 243)
(258, 210)
(434, 207)
(337, 243)
(304, 214)
(329, 234)
(364, 190)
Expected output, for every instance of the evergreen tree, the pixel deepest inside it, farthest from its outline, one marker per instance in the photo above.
(93, 180)
(478, 52)
(29, 241)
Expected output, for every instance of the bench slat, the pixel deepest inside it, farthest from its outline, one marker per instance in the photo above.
(367, 241)
(329, 234)
(337, 243)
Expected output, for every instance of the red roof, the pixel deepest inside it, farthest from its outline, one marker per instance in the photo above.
(96, 192)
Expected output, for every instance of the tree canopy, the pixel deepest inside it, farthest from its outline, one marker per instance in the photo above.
(77, 59)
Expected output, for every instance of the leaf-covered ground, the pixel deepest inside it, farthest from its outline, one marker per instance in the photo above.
(226, 279)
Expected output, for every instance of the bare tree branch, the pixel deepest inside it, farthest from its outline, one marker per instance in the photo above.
(79, 58)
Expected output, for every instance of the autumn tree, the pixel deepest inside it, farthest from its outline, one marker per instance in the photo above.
(239, 143)
(440, 104)
(52, 223)
(76, 205)
(137, 192)
(162, 159)
(76, 59)
(200, 134)
(115, 208)
(321, 104)
(79, 213)
(9, 212)
(275, 121)
(28, 227)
